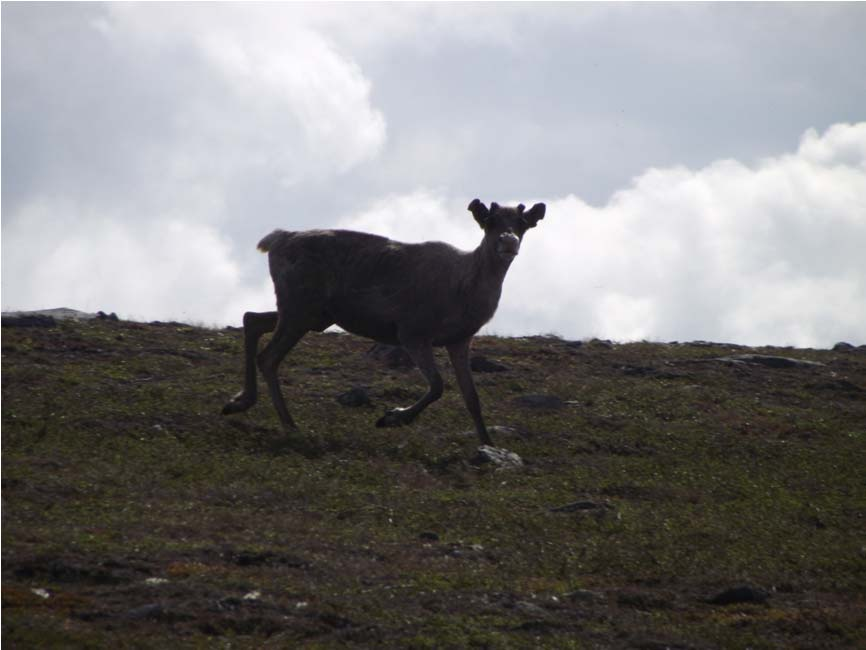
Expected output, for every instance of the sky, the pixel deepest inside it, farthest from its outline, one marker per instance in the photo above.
(703, 165)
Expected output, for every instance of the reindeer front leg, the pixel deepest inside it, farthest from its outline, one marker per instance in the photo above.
(422, 355)
(459, 354)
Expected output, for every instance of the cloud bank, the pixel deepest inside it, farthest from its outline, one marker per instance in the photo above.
(167, 121)
(764, 254)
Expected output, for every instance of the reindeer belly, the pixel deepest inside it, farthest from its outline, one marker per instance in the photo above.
(362, 319)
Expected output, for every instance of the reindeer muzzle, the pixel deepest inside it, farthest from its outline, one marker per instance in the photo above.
(508, 245)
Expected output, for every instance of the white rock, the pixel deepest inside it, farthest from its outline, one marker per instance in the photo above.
(501, 458)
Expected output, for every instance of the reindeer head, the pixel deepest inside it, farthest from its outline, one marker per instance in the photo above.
(504, 227)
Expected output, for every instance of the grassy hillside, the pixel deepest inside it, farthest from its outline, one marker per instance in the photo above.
(662, 478)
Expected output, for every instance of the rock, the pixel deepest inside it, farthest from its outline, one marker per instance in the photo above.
(466, 552)
(601, 343)
(540, 401)
(481, 363)
(584, 596)
(59, 313)
(229, 604)
(711, 344)
(354, 397)
(501, 458)
(740, 594)
(428, 537)
(770, 361)
(101, 315)
(842, 347)
(151, 610)
(530, 609)
(393, 356)
(638, 371)
(583, 506)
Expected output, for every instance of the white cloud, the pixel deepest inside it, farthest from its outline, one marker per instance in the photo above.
(166, 269)
(142, 129)
(763, 254)
(261, 91)
(418, 217)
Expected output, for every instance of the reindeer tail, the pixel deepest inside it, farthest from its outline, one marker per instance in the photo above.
(268, 241)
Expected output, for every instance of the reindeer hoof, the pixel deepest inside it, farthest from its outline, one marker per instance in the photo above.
(239, 403)
(394, 418)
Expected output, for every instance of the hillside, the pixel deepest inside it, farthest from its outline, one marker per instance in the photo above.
(673, 496)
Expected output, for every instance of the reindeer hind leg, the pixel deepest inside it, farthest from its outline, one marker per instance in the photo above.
(288, 332)
(255, 325)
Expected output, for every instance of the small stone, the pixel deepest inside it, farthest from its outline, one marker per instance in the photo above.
(740, 594)
(583, 596)
(480, 363)
(151, 610)
(42, 593)
(429, 537)
(253, 595)
(501, 458)
(155, 581)
(229, 604)
(354, 397)
(583, 506)
(530, 609)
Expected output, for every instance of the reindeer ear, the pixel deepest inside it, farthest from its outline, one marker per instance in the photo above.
(479, 211)
(535, 214)
(520, 208)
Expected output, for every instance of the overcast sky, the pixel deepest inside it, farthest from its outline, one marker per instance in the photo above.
(704, 165)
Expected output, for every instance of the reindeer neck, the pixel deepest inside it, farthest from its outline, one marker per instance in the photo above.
(489, 267)
(486, 275)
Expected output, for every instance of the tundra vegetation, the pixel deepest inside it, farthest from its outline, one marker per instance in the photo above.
(672, 495)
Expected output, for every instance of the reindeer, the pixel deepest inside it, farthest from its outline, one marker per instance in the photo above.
(419, 296)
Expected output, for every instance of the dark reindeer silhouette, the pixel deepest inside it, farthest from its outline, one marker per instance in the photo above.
(419, 296)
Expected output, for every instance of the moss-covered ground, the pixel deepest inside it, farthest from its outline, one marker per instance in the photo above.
(135, 515)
